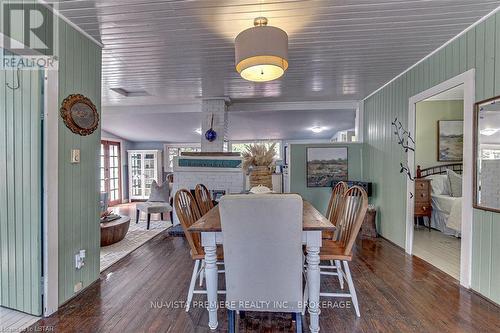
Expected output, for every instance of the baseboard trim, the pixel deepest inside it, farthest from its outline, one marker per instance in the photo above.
(489, 300)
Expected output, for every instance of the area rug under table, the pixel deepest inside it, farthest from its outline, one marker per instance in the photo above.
(136, 236)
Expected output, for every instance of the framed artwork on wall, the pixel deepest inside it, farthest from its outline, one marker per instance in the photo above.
(450, 140)
(325, 165)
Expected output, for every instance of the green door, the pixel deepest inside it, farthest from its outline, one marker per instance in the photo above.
(21, 190)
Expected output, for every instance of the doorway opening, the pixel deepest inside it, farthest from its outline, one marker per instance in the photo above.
(438, 185)
(446, 209)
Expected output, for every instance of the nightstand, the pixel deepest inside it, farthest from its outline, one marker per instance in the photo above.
(423, 205)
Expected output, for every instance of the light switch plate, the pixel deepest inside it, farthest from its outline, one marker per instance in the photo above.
(75, 156)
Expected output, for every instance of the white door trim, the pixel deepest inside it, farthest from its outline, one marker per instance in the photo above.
(468, 80)
(51, 198)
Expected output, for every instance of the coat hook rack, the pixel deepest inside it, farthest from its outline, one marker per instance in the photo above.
(18, 82)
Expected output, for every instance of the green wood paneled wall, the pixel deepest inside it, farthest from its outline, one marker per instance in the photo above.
(319, 196)
(479, 48)
(79, 72)
(20, 191)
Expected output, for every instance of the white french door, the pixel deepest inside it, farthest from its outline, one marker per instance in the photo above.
(144, 169)
(110, 171)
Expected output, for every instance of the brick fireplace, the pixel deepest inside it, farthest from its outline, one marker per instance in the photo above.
(218, 172)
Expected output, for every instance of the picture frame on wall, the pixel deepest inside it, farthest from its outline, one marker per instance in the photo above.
(325, 165)
(450, 140)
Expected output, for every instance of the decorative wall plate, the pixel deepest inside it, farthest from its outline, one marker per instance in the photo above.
(79, 114)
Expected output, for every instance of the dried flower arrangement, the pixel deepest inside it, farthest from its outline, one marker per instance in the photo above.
(257, 159)
(258, 154)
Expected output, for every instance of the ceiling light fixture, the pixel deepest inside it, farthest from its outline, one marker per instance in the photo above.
(261, 52)
(198, 131)
(317, 129)
(489, 131)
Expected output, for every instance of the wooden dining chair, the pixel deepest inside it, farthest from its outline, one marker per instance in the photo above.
(188, 213)
(332, 214)
(203, 199)
(263, 254)
(350, 220)
(334, 207)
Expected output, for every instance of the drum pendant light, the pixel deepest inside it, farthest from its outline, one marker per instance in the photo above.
(261, 52)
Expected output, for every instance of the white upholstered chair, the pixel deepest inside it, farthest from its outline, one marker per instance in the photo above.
(158, 202)
(263, 253)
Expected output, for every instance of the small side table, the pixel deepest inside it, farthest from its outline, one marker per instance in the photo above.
(369, 226)
(114, 231)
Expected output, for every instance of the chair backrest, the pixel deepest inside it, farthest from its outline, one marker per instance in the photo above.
(159, 193)
(203, 198)
(188, 213)
(355, 204)
(263, 251)
(334, 205)
(170, 177)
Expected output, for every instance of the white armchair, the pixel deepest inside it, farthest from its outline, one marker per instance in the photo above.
(263, 253)
(158, 202)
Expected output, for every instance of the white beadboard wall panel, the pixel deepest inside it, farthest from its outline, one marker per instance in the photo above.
(20, 191)
(478, 48)
(79, 72)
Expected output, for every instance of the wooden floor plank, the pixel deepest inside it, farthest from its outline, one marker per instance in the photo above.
(397, 293)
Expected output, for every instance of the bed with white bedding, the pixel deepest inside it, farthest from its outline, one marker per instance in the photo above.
(446, 209)
(446, 214)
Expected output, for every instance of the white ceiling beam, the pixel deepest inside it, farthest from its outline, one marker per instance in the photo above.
(293, 106)
(152, 109)
(234, 107)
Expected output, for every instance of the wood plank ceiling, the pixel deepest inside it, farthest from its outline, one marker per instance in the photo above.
(339, 49)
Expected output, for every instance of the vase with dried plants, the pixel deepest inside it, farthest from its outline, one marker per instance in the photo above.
(257, 160)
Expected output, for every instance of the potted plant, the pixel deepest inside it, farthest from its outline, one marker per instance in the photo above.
(257, 161)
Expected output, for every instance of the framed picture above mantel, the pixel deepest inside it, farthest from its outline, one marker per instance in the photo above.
(325, 165)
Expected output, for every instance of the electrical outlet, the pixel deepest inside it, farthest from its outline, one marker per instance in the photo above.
(78, 287)
(79, 259)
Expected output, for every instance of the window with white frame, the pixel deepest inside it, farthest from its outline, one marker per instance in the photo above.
(241, 146)
(172, 151)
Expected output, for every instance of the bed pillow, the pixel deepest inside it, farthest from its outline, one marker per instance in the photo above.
(439, 184)
(455, 181)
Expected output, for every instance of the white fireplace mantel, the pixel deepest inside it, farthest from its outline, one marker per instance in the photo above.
(229, 180)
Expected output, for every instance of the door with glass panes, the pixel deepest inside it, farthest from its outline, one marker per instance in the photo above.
(110, 171)
(144, 168)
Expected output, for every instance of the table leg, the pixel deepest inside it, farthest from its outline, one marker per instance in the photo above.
(313, 283)
(211, 277)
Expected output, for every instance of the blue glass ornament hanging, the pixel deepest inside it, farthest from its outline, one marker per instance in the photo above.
(211, 135)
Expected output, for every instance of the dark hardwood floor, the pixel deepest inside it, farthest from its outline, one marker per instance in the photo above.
(397, 293)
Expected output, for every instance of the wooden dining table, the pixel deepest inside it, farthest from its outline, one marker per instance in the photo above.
(212, 234)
